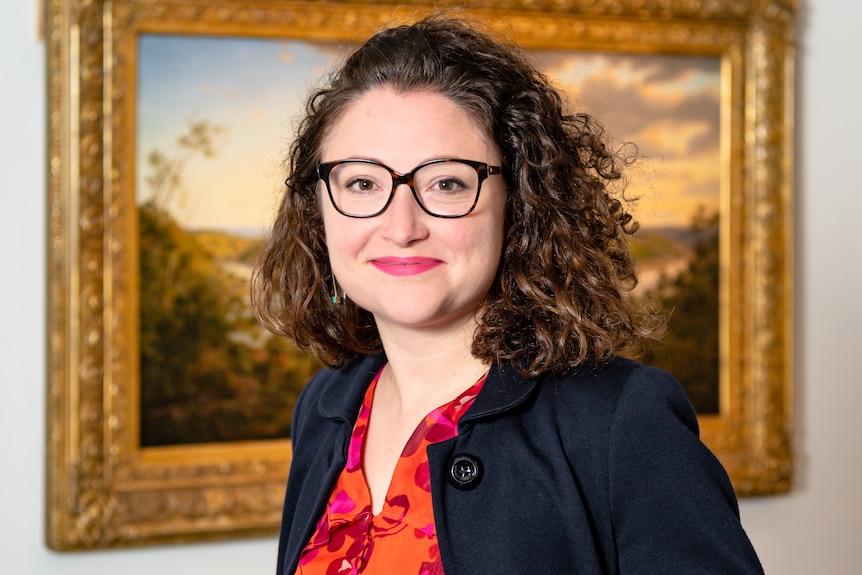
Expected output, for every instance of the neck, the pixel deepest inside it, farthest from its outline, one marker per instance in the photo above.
(427, 369)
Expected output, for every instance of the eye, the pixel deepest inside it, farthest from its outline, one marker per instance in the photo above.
(361, 185)
(448, 184)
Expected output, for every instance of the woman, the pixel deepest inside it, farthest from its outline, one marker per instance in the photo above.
(451, 245)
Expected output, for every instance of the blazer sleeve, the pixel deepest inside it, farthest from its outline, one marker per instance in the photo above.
(297, 426)
(672, 505)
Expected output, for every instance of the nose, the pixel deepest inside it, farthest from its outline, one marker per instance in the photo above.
(404, 221)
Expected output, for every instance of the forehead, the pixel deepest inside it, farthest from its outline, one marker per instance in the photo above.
(407, 127)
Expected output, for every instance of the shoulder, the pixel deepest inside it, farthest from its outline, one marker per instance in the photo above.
(649, 400)
(583, 399)
(650, 393)
(621, 387)
(624, 421)
(629, 406)
(592, 416)
(622, 375)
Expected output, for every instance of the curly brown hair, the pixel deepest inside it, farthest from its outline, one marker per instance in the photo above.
(558, 300)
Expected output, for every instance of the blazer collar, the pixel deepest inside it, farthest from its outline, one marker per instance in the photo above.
(503, 390)
(342, 401)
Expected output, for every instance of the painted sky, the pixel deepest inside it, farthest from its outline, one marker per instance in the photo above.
(255, 89)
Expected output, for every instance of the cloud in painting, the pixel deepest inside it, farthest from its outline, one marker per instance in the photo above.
(669, 106)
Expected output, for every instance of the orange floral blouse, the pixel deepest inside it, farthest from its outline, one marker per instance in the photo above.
(350, 539)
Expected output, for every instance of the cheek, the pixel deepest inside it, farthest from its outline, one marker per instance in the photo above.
(333, 227)
(483, 244)
(493, 232)
(345, 237)
(334, 236)
(332, 233)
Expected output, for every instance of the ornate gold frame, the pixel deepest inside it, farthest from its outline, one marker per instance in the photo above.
(103, 490)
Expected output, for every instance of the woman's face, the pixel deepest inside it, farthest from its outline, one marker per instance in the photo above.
(409, 269)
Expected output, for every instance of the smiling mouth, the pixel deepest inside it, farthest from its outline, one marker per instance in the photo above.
(405, 266)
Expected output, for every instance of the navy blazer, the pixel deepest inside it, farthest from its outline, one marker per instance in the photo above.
(595, 472)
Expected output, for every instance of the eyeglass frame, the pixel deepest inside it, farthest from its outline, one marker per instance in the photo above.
(483, 171)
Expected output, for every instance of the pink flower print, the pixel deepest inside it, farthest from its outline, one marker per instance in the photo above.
(399, 502)
(353, 534)
(342, 567)
(434, 566)
(308, 556)
(440, 431)
(423, 476)
(464, 400)
(342, 503)
(431, 568)
(354, 450)
(427, 532)
(321, 535)
(415, 439)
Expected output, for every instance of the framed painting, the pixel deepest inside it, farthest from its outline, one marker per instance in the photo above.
(169, 408)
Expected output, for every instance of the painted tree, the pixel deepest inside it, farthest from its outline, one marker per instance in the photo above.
(206, 374)
(690, 349)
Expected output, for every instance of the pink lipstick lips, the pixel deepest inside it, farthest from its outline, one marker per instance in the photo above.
(405, 266)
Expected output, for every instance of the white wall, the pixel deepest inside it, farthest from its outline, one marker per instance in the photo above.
(814, 529)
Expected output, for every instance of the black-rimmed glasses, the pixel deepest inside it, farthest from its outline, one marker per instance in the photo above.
(443, 188)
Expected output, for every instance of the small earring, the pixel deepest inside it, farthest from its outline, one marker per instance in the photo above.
(336, 299)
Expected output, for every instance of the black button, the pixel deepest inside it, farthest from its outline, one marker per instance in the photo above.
(465, 472)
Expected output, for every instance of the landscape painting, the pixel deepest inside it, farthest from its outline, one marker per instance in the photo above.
(215, 117)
